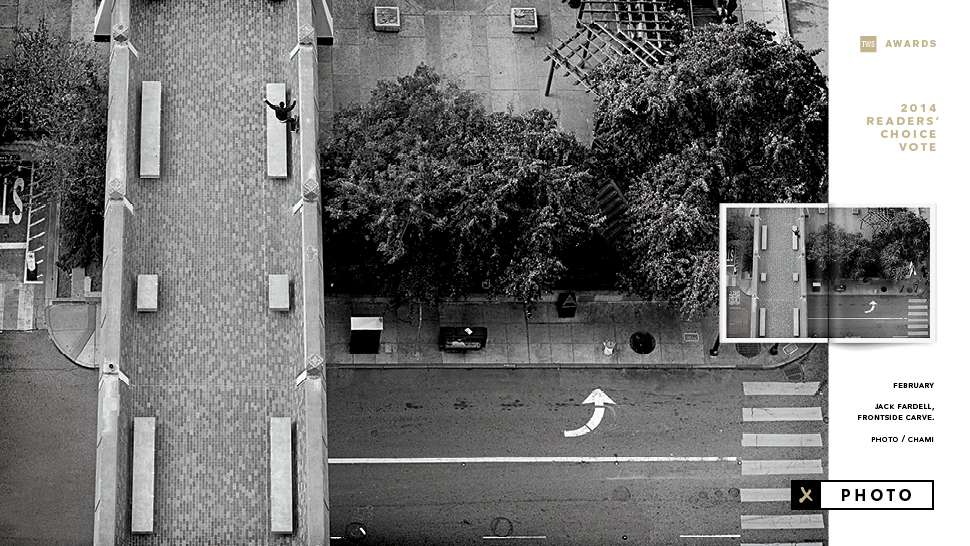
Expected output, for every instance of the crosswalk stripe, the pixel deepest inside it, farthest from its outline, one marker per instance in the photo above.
(918, 326)
(766, 495)
(755, 388)
(914, 307)
(781, 440)
(916, 300)
(782, 414)
(918, 314)
(794, 466)
(799, 521)
(783, 544)
(919, 333)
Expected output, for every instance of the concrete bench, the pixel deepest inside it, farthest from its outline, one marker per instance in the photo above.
(764, 237)
(281, 475)
(151, 129)
(147, 293)
(761, 324)
(143, 476)
(795, 321)
(279, 292)
(275, 133)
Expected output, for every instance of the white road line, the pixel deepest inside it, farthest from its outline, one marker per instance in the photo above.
(32, 237)
(515, 537)
(795, 466)
(453, 460)
(782, 414)
(766, 495)
(917, 301)
(783, 544)
(710, 536)
(781, 440)
(755, 388)
(863, 318)
(919, 333)
(917, 326)
(914, 307)
(918, 314)
(13, 246)
(800, 521)
(41, 221)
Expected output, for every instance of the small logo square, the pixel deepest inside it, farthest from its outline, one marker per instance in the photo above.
(867, 44)
(806, 494)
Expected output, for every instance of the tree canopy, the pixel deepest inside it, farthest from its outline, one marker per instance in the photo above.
(900, 241)
(53, 93)
(730, 116)
(430, 198)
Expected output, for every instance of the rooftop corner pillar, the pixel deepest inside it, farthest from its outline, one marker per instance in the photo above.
(317, 487)
(108, 485)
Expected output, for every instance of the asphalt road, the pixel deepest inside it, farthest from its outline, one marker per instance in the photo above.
(467, 414)
(48, 440)
(894, 315)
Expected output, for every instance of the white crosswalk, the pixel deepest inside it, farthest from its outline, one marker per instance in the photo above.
(918, 318)
(783, 418)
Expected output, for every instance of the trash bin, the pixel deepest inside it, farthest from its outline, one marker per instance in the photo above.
(365, 335)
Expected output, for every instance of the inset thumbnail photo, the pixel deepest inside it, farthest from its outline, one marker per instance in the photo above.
(849, 274)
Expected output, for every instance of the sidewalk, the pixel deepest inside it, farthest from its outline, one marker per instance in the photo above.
(770, 13)
(542, 341)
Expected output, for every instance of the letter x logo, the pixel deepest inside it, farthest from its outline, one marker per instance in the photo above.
(805, 495)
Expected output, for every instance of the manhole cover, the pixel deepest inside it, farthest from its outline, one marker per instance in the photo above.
(501, 527)
(355, 531)
(621, 494)
(642, 343)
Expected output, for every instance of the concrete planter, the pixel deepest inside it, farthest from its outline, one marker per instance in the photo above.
(524, 20)
(387, 19)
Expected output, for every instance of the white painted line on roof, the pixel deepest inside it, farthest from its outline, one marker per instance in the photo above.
(794, 466)
(754, 388)
(781, 440)
(800, 521)
(782, 414)
(766, 495)
(453, 460)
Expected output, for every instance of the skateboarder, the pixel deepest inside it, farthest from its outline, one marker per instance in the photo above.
(283, 114)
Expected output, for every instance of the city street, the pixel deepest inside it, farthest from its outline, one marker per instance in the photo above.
(552, 469)
(890, 315)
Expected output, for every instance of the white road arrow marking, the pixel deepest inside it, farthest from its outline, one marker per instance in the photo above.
(871, 309)
(598, 398)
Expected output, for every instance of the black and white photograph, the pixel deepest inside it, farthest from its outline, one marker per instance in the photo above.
(845, 274)
(420, 273)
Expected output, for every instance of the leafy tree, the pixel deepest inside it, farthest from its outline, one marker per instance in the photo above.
(900, 239)
(740, 238)
(838, 252)
(903, 238)
(53, 92)
(430, 198)
(731, 116)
